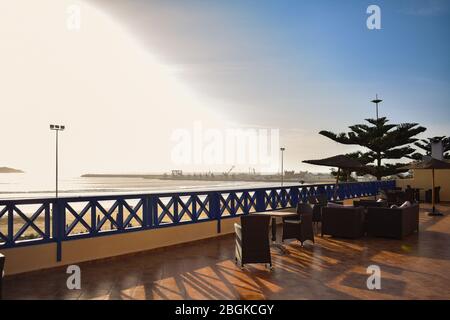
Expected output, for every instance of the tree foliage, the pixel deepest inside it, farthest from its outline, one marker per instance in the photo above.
(425, 145)
(383, 140)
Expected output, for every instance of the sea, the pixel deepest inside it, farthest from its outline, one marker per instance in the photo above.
(25, 186)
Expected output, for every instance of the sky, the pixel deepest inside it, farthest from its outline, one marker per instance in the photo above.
(136, 71)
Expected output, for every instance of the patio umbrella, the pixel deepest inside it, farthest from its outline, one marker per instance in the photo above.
(341, 162)
(433, 164)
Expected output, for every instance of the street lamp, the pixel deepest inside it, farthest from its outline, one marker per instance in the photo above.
(376, 101)
(282, 165)
(57, 128)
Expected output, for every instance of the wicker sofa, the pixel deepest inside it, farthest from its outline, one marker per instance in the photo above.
(343, 222)
(392, 222)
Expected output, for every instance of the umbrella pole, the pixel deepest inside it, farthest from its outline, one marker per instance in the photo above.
(336, 185)
(432, 191)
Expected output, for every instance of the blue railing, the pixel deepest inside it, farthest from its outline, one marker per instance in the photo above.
(35, 221)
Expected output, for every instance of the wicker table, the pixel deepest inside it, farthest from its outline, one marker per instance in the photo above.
(274, 215)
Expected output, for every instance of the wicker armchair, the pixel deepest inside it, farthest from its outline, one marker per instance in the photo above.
(302, 227)
(410, 195)
(322, 199)
(428, 195)
(312, 199)
(318, 201)
(252, 240)
(2, 265)
(395, 197)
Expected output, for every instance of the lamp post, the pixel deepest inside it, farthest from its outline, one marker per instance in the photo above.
(282, 165)
(57, 128)
(376, 101)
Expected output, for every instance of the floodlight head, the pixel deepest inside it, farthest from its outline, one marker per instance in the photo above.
(57, 127)
(376, 100)
(282, 148)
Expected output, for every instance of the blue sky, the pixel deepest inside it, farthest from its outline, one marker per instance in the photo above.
(303, 66)
(297, 66)
(301, 56)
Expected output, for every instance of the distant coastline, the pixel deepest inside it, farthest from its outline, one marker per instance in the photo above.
(296, 178)
(10, 170)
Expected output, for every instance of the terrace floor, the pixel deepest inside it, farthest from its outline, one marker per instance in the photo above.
(417, 267)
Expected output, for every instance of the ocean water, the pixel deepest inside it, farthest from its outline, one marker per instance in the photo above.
(23, 185)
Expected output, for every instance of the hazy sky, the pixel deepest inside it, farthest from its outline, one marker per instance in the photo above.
(137, 70)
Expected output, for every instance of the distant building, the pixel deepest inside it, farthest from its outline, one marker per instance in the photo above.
(177, 172)
(289, 173)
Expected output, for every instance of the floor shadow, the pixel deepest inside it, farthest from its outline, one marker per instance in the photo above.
(329, 269)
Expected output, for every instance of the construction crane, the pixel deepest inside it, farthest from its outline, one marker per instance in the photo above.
(229, 171)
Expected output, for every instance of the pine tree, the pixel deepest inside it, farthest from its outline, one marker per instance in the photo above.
(425, 145)
(384, 141)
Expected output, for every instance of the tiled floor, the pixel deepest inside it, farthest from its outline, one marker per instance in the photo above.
(417, 267)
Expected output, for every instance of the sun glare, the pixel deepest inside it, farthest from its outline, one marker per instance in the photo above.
(119, 103)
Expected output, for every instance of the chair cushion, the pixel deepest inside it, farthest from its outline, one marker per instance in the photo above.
(292, 221)
(337, 205)
(334, 205)
(405, 204)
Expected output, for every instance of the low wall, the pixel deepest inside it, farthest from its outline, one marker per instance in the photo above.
(43, 256)
(422, 179)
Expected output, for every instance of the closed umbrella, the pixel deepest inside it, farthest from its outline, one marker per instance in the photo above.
(431, 164)
(341, 162)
